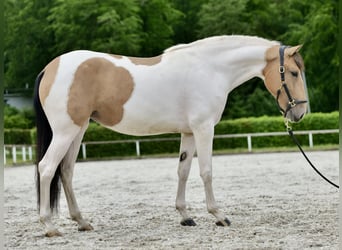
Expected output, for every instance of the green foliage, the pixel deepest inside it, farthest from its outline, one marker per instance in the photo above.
(27, 41)
(159, 19)
(18, 136)
(96, 132)
(187, 27)
(315, 121)
(317, 29)
(256, 101)
(14, 118)
(223, 17)
(105, 25)
(37, 31)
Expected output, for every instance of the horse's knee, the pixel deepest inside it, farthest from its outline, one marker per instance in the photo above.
(45, 174)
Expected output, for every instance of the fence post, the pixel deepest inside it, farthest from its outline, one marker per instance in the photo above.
(84, 151)
(30, 153)
(137, 147)
(23, 152)
(310, 140)
(14, 154)
(249, 143)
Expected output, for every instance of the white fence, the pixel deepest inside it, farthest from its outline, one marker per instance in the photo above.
(25, 151)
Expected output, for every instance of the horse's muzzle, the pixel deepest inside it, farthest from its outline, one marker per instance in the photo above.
(296, 113)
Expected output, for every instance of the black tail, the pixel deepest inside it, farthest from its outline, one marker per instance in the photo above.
(44, 137)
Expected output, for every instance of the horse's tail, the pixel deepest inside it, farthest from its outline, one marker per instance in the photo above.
(44, 137)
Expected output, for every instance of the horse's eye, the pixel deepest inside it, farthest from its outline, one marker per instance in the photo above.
(294, 73)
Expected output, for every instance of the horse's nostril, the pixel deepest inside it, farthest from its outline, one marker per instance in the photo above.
(298, 118)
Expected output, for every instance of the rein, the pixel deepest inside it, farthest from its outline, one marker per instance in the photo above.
(291, 104)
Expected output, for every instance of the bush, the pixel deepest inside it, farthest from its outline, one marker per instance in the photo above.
(14, 118)
(96, 132)
(18, 136)
(315, 121)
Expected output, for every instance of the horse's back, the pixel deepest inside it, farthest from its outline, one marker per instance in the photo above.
(135, 92)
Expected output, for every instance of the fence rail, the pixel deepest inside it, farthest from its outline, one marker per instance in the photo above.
(25, 152)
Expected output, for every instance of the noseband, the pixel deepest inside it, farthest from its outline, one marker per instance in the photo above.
(292, 102)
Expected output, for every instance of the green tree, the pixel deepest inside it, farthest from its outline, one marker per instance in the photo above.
(223, 17)
(159, 19)
(37, 31)
(316, 27)
(26, 34)
(107, 25)
(186, 28)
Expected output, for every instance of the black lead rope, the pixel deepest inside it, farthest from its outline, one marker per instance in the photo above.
(291, 104)
(294, 139)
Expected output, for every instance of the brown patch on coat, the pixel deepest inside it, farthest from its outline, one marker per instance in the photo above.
(147, 61)
(271, 70)
(48, 79)
(99, 91)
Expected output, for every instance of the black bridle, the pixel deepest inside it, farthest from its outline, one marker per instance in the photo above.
(292, 102)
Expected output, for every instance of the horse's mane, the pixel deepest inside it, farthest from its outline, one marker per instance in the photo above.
(232, 41)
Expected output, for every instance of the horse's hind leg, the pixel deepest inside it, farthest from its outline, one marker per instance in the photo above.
(187, 150)
(66, 175)
(47, 168)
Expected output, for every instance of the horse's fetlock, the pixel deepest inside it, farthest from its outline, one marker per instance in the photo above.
(180, 206)
(76, 216)
(213, 210)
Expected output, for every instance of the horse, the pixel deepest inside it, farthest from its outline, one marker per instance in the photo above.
(184, 90)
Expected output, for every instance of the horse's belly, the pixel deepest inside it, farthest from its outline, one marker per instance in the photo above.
(150, 126)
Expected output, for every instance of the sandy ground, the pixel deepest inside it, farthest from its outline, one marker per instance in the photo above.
(275, 201)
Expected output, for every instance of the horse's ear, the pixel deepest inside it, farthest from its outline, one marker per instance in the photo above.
(293, 50)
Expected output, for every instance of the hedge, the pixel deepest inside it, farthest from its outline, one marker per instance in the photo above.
(18, 136)
(314, 121)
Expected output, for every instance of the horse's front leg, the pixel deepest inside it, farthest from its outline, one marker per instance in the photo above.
(187, 150)
(204, 144)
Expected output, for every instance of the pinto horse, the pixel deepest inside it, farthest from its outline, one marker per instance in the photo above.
(184, 91)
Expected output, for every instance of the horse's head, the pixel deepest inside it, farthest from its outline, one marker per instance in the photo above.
(283, 76)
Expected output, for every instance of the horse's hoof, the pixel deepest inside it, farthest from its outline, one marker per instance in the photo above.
(224, 223)
(86, 227)
(53, 233)
(188, 222)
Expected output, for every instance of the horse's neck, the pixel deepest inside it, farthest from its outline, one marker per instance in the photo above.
(238, 65)
(236, 58)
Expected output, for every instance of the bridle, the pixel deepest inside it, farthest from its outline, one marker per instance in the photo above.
(292, 102)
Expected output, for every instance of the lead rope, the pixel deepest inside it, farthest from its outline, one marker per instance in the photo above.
(292, 103)
(294, 139)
